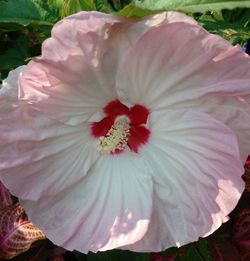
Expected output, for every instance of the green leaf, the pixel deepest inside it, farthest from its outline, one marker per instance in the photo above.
(68, 7)
(87, 5)
(117, 4)
(120, 255)
(99, 5)
(26, 12)
(233, 32)
(245, 18)
(190, 5)
(15, 55)
(203, 249)
(8, 27)
(133, 11)
(78, 256)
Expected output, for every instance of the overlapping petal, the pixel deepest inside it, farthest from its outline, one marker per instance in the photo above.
(9, 88)
(172, 71)
(40, 156)
(196, 168)
(109, 208)
(75, 76)
(72, 79)
(140, 26)
(183, 181)
(193, 69)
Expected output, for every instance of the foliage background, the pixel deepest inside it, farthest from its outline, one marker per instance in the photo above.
(24, 25)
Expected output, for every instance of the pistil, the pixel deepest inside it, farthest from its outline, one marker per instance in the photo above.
(116, 138)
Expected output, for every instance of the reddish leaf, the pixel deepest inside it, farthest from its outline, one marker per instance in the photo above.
(5, 197)
(156, 257)
(57, 258)
(173, 256)
(246, 175)
(223, 250)
(56, 253)
(248, 160)
(168, 257)
(16, 232)
(241, 235)
(35, 253)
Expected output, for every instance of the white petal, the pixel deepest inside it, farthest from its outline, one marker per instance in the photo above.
(196, 167)
(109, 208)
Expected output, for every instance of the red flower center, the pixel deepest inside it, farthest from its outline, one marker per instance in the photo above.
(122, 127)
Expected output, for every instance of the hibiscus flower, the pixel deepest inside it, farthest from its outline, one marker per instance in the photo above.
(127, 133)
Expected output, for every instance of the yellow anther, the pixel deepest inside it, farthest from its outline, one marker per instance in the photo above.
(116, 138)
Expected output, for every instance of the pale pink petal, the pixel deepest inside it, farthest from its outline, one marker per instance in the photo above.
(8, 91)
(127, 33)
(39, 156)
(42, 157)
(196, 167)
(193, 69)
(140, 26)
(75, 76)
(234, 112)
(50, 159)
(108, 208)
(175, 70)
